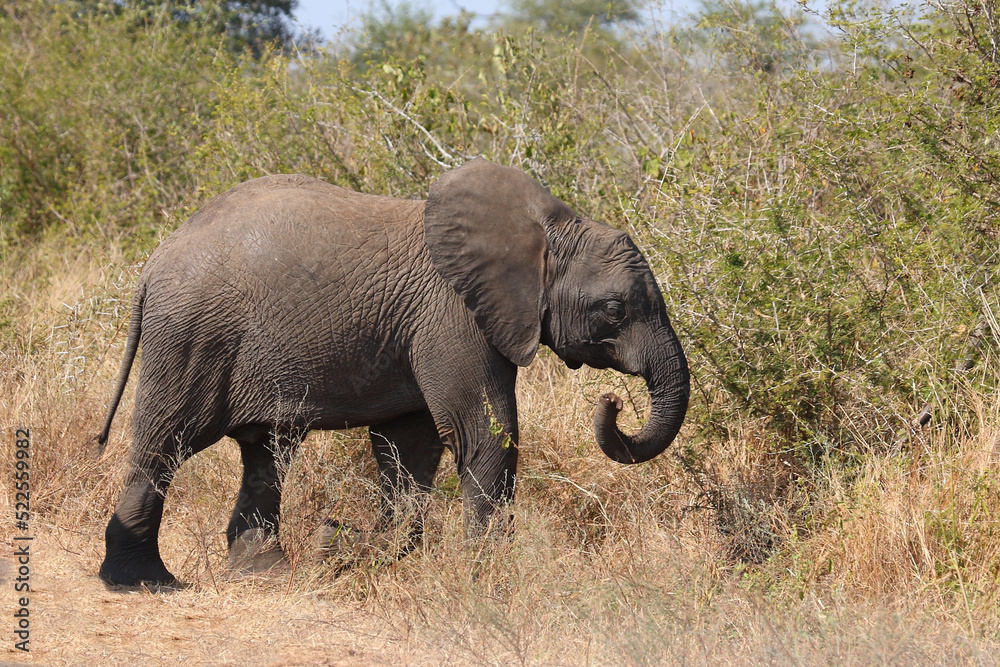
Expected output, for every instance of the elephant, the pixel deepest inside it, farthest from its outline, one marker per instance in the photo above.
(288, 304)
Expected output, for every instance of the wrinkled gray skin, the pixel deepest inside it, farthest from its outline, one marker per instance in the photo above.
(288, 304)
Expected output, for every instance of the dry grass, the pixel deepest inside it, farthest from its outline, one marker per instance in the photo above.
(732, 561)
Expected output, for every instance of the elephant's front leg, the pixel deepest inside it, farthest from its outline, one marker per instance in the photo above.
(253, 529)
(408, 450)
(482, 431)
(487, 470)
(471, 394)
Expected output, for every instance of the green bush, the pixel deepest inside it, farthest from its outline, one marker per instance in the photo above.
(101, 113)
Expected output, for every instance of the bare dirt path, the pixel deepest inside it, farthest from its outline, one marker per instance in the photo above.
(76, 620)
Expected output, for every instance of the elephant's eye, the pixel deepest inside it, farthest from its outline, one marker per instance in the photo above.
(615, 310)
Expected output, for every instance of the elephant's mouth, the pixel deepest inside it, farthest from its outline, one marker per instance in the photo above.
(597, 356)
(572, 363)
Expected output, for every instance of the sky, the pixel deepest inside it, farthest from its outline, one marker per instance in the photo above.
(329, 16)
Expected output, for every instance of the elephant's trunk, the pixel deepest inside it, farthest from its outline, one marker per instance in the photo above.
(669, 387)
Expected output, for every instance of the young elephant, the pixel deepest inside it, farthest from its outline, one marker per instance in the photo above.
(288, 304)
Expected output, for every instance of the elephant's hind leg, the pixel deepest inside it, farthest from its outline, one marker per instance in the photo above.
(132, 555)
(253, 529)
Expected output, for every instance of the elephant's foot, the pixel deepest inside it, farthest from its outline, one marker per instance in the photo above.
(135, 570)
(337, 540)
(256, 551)
(345, 546)
(132, 553)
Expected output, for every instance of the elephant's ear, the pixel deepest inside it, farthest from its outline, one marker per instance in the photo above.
(485, 227)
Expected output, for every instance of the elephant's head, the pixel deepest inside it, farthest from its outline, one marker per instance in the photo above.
(532, 271)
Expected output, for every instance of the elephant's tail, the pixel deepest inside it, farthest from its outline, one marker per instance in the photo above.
(131, 346)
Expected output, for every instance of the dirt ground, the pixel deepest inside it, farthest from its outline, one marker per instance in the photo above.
(236, 620)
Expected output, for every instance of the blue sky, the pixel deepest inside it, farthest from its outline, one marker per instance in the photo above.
(329, 16)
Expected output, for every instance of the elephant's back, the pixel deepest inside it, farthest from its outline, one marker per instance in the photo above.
(287, 220)
(285, 201)
(287, 261)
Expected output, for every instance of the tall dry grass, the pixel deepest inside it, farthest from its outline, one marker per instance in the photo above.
(735, 561)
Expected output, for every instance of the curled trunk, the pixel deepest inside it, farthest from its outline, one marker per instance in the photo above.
(668, 383)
